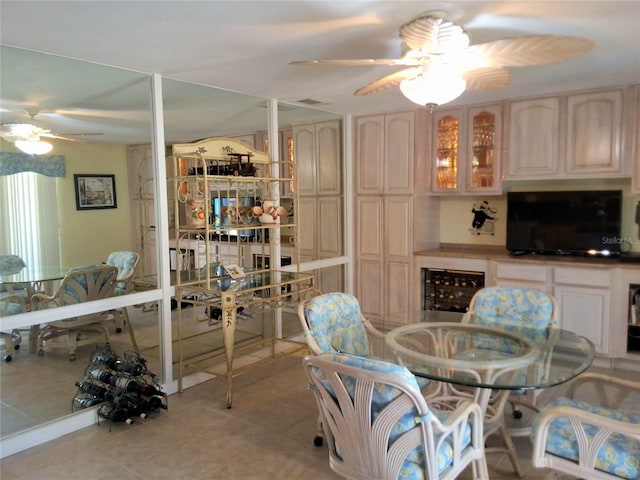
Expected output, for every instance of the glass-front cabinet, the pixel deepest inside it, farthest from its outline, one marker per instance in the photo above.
(466, 154)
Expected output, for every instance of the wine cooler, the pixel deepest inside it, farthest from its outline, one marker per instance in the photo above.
(449, 290)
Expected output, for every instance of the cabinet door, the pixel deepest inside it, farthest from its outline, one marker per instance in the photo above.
(594, 133)
(448, 133)
(328, 158)
(398, 153)
(398, 254)
(483, 149)
(534, 138)
(369, 155)
(370, 253)
(329, 227)
(304, 152)
(583, 310)
(307, 219)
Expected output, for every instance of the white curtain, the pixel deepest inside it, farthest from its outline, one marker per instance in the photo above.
(29, 218)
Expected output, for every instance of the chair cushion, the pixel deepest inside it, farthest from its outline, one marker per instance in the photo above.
(330, 313)
(526, 312)
(618, 456)
(125, 262)
(413, 467)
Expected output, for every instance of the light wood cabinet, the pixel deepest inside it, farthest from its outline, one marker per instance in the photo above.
(317, 153)
(570, 136)
(534, 139)
(384, 253)
(593, 299)
(467, 145)
(384, 208)
(584, 301)
(384, 154)
(594, 133)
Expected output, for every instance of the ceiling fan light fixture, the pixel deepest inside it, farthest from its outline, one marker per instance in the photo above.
(433, 88)
(34, 147)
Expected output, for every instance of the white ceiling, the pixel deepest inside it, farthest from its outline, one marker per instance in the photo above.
(246, 46)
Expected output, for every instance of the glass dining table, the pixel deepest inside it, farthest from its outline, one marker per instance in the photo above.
(440, 346)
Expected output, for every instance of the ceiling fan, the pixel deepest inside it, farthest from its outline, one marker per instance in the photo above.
(442, 63)
(28, 136)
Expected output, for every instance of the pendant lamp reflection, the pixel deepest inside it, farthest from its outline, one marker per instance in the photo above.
(34, 147)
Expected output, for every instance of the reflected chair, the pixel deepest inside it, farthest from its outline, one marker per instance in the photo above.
(527, 312)
(10, 264)
(322, 317)
(11, 305)
(595, 439)
(126, 263)
(81, 284)
(378, 423)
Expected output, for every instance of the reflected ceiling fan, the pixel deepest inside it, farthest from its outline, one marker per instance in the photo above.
(28, 136)
(441, 63)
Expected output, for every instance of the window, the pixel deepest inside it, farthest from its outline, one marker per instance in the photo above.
(29, 218)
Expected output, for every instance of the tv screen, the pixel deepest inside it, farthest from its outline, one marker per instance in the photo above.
(564, 223)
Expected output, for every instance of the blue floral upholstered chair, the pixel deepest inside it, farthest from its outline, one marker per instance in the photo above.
(324, 316)
(598, 439)
(378, 423)
(527, 312)
(80, 284)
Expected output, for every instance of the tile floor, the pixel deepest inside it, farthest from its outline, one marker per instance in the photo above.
(268, 434)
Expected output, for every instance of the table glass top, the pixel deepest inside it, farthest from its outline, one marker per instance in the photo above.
(439, 346)
(34, 274)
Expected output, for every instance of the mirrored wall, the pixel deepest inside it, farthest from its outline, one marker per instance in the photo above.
(111, 108)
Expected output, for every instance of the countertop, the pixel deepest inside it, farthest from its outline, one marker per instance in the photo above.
(497, 253)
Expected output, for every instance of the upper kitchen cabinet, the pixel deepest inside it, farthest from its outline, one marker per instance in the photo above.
(534, 140)
(594, 133)
(572, 136)
(466, 150)
(385, 154)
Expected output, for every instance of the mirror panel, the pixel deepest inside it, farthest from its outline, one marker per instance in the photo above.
(99, 111)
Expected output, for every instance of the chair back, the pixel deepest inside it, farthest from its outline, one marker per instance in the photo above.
(524, 311)
(11, 264)
(126, 263)
(375, 419)
(323, 316)
(85, 284)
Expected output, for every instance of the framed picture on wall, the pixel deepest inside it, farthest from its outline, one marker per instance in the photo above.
(95, 191)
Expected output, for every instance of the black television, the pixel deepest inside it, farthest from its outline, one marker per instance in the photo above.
(564, 222)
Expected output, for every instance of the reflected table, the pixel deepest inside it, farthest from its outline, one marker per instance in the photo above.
(219, 292)
(34, 279)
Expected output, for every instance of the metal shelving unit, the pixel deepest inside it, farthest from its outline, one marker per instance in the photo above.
(228, 210)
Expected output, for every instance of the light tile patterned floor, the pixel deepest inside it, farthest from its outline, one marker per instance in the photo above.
(268, 434)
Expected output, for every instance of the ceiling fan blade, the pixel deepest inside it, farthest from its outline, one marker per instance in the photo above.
(357, 63)
(392, 80)
(433, 35)
(528, 50)
(487, 78)
(67, 136)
